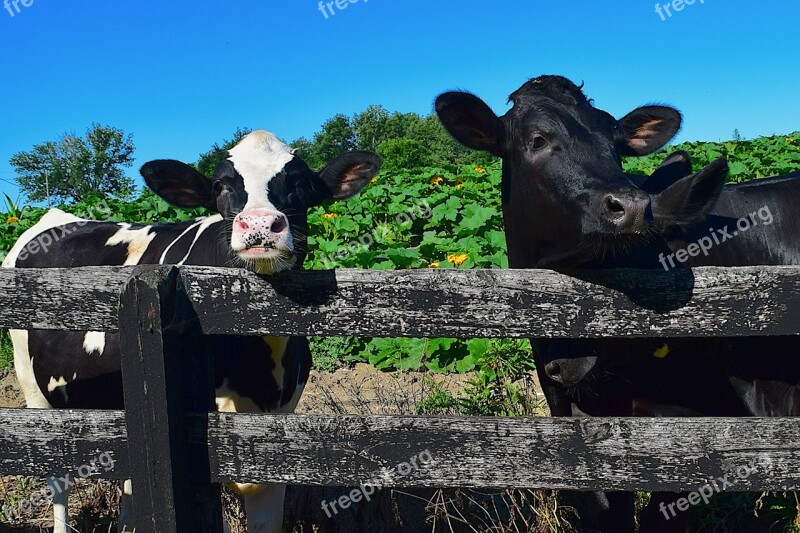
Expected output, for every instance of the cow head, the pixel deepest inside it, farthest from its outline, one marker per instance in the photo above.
(263, 191)
(680, 201)
(565, 196)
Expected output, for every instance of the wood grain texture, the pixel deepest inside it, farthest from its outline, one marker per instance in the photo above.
(570, 453)
(591, 453)
(751, 301)
(748, 301)
(156, 359)
(72, 299)
(43, 442)
(668, 454)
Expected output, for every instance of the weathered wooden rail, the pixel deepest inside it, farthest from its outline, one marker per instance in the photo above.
(177, 451)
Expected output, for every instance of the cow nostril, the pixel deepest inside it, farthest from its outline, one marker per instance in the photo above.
(279, 225)
(614, 205)
(244, 226)
(553, 370)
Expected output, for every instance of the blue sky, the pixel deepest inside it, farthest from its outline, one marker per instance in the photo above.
(180, 75)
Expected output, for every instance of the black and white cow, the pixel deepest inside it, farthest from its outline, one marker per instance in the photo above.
(261, 193)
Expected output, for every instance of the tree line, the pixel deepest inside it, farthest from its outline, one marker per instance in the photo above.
(72, 168)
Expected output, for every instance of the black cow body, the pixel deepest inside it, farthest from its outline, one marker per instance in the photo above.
(261, 193)
(565, 198)
(567, 204)
(755, 223)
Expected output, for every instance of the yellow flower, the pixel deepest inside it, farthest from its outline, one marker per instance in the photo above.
(457, 259)
(433, 265)
(662, 352)
(374, 180)
(480, 170)
(330, 215)
(460, 186)
(11, 220)
(436, 180)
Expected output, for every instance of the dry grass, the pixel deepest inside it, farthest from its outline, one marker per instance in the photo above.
(364, 391)
(93, 505)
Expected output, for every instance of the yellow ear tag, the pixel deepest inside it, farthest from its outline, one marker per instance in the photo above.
(662, 352)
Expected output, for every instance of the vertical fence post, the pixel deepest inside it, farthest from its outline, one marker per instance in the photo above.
(167, 372)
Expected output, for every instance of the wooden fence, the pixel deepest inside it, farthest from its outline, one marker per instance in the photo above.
(177, 450)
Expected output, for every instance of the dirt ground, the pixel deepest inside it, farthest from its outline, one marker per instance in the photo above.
(358, 390)
(363, 390)
(10, 394)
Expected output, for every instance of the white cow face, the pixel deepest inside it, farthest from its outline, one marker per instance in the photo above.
(263, 190)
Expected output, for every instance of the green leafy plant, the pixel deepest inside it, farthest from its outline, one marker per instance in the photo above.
(437, 401)
(6, 351)
(502, 384)
(331, 353)
(751, 159)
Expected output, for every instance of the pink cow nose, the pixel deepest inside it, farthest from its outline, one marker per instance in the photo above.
(260, 227)
(276, 224)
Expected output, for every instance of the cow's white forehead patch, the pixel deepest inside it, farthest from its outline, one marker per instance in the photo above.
(258, 158)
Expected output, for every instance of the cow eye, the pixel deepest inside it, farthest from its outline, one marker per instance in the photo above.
(219, 187)
(537, 142)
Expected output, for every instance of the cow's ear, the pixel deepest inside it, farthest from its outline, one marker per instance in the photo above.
(471, 122)
(688, 201)
(676, 166)
(179, 184)
(346, 175)
(648, 128)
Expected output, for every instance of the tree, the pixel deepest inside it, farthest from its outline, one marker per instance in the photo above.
(303, 148)
(400, 125)
(404, 140)
(370, 127)
(398, 154)
(442, 148)
(74, 168)
(208, 161)
(335, 138)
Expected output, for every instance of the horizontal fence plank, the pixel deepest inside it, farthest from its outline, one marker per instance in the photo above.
(749, 301)
(479, 452)
(72, 299)
(42, 442)
(564, 453)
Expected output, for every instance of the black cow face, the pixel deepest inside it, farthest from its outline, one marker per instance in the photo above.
(565, 197)
(263, 190)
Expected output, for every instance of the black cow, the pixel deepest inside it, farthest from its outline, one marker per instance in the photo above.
(698, 221)
(566, 200)
(261, 193)
(564, 191)
(560, 164)
(565, 197)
